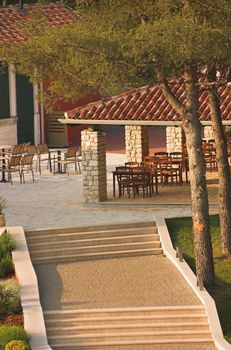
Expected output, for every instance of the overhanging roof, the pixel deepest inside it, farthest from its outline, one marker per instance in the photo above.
(10, 16)
(145, 106)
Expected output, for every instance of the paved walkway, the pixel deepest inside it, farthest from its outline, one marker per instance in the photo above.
(127, 282)
(56, 201)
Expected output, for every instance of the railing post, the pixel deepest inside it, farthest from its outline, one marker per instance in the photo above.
(200, 282)
(179, 254)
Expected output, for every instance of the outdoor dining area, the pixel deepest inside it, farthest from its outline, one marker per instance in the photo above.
(25, 158)
(159, 170)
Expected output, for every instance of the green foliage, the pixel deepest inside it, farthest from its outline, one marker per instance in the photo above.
(9, 333)
(180, 230)
(17, 345)
(7, 244)
(6, 266)
(115, 45)
(10, 302)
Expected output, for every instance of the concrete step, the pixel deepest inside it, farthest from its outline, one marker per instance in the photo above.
(89, 229)
(68, 236)
(90, 345)
(96, 256)
(106, 248)
(174, 319)
(126, 328)
(94, 328)
(119, 338)
(116, 313)
(59, 243)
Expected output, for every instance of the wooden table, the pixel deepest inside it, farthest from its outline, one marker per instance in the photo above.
(3, 149)
(59, 157)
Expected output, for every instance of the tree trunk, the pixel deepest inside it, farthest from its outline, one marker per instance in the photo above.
(200, 209)
(224, 189)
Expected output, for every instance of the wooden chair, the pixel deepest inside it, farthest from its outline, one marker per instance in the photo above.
(209, 153)
(152, 167)
(141, 180)
(123, 176)
(70, 157)
(167, 171)
(12, 165)
(27, 165)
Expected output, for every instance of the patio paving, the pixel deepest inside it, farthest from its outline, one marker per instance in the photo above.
(113, 283)
(56, 201)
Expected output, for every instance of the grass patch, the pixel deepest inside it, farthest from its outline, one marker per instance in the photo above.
(180, 230)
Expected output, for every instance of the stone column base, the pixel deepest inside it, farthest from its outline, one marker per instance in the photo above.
(94, 166)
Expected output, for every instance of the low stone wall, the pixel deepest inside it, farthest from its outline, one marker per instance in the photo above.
(8, 131)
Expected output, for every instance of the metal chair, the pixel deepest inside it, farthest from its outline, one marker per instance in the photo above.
(27, 165)
(70, 157)
(44, 155)
(12, 165)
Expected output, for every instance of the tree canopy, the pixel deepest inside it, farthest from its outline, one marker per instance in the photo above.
(116, 45)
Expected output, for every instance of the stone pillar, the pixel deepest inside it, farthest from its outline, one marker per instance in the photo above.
(136, 141)
(208, 132)
(94, 166)
(174, 139)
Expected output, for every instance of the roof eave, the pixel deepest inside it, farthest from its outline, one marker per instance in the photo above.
(130, 122)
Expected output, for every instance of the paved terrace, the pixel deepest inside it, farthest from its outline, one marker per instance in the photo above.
(56, 201)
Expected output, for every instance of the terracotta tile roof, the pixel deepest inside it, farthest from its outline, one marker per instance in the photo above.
(148, 104)
(10, 16)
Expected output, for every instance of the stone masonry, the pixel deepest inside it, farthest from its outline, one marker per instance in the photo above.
(93, 166)
(174, 139)
(136, 141)
(208, 132)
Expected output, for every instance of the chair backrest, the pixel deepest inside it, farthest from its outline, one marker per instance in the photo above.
(160, 154)
(208, 149)
(71, 152)
(123, 169)
(15, 161)
(132, 164)
(17, 149)
(176, 155)
(25, 146)
(149, 158)
(165, 162)
(43, 148)
(27, 159)
(32, 149)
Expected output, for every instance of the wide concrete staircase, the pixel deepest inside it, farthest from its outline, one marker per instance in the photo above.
(104, 328)
(93, 242)
(101, 328)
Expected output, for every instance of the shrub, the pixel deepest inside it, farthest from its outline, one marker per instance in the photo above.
(10, 302)
(7, 244)
(17, 345)
(9, 333)
(6, 266)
